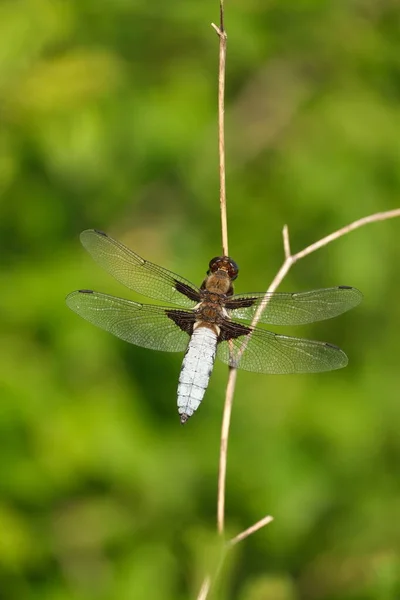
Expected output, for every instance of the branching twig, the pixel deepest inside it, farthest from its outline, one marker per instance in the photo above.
(289, 261)
(250, 530)
(208, 581)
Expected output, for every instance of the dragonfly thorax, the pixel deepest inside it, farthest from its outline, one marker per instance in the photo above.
(219, 283)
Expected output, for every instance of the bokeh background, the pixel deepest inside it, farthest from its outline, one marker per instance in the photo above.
(108, 120)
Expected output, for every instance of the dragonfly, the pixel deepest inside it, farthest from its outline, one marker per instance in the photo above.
(209, 321)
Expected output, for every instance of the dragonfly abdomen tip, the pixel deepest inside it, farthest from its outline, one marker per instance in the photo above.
(184, 418)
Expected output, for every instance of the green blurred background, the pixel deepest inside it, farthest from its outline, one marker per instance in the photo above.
(108, 120)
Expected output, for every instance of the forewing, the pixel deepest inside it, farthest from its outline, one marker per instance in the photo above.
(138, 274)
(297, 308)
(267, 352)
(140, 324)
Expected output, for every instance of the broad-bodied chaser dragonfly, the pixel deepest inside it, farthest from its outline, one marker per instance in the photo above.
(209, 319)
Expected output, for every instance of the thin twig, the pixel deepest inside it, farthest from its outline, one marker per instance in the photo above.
(224, 230)
(382, 216)
(205, 588)
(224, 449)
(221, 126)
(206, 585)
(286, 241)
(250, 530)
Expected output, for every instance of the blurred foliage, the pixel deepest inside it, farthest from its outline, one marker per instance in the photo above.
(108, 120)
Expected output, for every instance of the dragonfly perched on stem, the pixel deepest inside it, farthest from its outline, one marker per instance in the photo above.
(209, 320)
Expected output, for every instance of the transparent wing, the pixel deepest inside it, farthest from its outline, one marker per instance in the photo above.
(136, 273)
(140, 324)
(268, 352)
(297, 308)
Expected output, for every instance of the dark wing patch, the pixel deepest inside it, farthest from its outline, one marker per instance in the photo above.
(296, 308)
(267, 352)
(230, 330)
(183, 319)
(140, 324)
(187, 290)
(236, 302)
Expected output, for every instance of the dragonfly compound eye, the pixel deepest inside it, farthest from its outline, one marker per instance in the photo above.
(224, 263)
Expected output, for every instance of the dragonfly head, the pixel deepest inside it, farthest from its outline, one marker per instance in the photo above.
(226, 264)
(220, 275)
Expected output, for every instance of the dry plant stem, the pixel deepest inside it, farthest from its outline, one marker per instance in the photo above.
(290, 259)
(205, 588)
(382, 216)
(221, 126)
(250, 530)
(224, 229)
(224, 449)
(208, 581)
